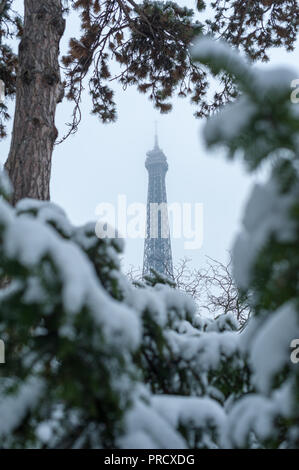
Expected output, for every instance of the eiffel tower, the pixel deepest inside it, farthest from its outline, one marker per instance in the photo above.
(157, 246)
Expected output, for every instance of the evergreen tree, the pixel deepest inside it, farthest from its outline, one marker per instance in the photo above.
(38, 90)
(97, 362)
(156, 373)
(93, 359)
(264, 128)
(149, 42)
(10, 25)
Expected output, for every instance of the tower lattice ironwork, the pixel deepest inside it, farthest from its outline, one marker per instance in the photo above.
(157, 246)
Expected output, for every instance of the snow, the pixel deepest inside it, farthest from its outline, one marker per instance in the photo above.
(256, 413)
(208, 349)
(275, 81)
(5, 184)
(260, 125)
(13, 408)
(245, 124)
(224, 322)
(146, 429)
(6, 213)
(191, 412)
(35, 292)
(270, 349)
(221, 56)
(83, 237)
(266, 214)
(206, 49)
(231, 122)
(30, 241)
(38, 237)
(47, 212)
(165, 304)
(154, 420)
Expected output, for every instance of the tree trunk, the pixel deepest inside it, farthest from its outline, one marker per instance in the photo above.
(39, 90)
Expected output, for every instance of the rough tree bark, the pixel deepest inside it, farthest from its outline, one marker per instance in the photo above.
(39, 90)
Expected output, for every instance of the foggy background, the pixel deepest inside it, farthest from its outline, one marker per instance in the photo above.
(102, 161)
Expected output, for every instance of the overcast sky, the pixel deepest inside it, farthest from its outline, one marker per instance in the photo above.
(102, 161)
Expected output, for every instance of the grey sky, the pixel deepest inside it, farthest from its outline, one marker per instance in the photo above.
(102, 161)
